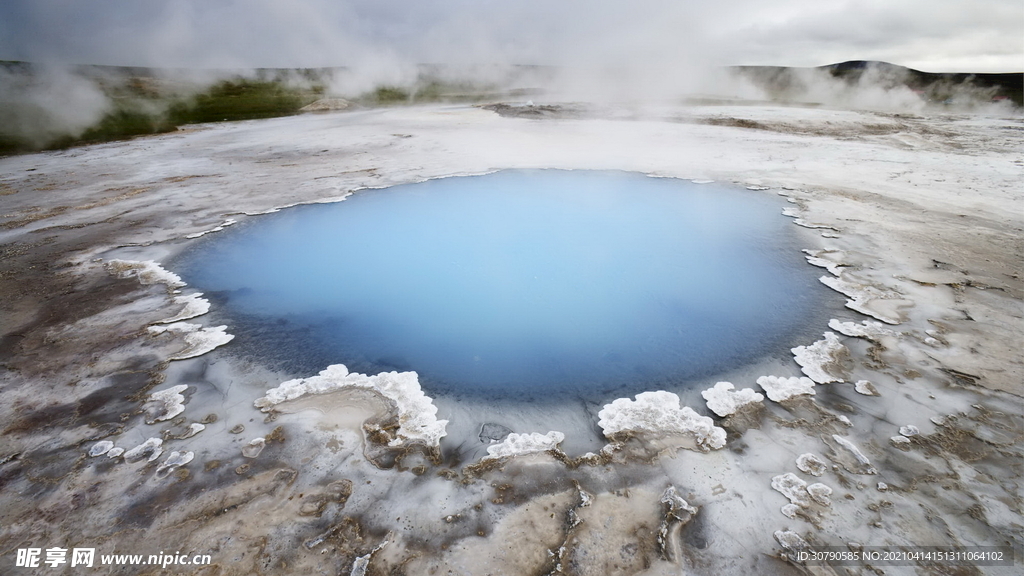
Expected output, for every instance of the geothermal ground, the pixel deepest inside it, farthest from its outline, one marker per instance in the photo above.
(131, 425)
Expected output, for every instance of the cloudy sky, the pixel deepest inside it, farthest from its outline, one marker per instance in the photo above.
(931, 35)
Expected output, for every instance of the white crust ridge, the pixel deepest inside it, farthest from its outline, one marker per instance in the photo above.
(778, 388)
(147, 272)
(417, 415)
(815, 359)
(659, 413)
(723, 399)
(519, 444)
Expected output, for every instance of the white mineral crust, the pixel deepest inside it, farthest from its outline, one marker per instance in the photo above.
(519, 444)
(792, 487)
(867, 329)
(813, 359)
(194, 305)
(147, 272)
(100, 448)
(810, 464)
(151, 447)
(167, 403)
(199, 340)
(660, 413)
(779, 389)
(723, 399)
(417, 415)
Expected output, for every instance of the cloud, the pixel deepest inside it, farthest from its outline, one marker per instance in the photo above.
(941, 34)
(644, 33)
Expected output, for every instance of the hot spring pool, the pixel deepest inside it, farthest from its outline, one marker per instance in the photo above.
(516, 283)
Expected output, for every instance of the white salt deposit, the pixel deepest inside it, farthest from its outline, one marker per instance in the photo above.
(815, 359)
(867, 329)
(792, 487)
(147, 272)
(861, 297)
(866, 388)
(790, 540)
(225, 224)
(810, 464)
(417, 415)
(779, 389)
(115, 452)
(852, 448)
(174, 460)
(193, 429)
(806, 224)
(360, 565)
(166, 404)
(790, 510)
(254, 447)
(676, 502)
(151, 448)
(660, 413)
(519, 444)
(820, 493)
(100, 448)
(723, 399)
(898, 440)
(194, 305)
(815, 258)
(909, 430)
(199, 340)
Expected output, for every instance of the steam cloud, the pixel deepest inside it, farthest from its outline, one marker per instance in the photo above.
(601, 49)
(52, 102)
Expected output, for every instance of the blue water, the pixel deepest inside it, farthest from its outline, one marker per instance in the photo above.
(517, 283)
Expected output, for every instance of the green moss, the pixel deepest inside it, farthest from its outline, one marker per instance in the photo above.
(389, 95)
(117, 125)
(10, 144)
(146, 103)
(241, 100)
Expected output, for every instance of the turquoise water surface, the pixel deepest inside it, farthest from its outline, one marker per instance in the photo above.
(528, 283)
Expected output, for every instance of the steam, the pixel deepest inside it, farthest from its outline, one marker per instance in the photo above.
(49, 103)
(590, 50)
(877, 87)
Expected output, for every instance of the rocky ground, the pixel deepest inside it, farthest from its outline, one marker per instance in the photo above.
(914, 429)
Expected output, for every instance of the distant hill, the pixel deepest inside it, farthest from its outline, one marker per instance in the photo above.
(782, 82)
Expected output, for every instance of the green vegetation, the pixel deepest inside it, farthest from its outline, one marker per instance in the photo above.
(385, 96)
(119, 124)
(427, 90)
(140, 101)
(142, 105)
(242, 100)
